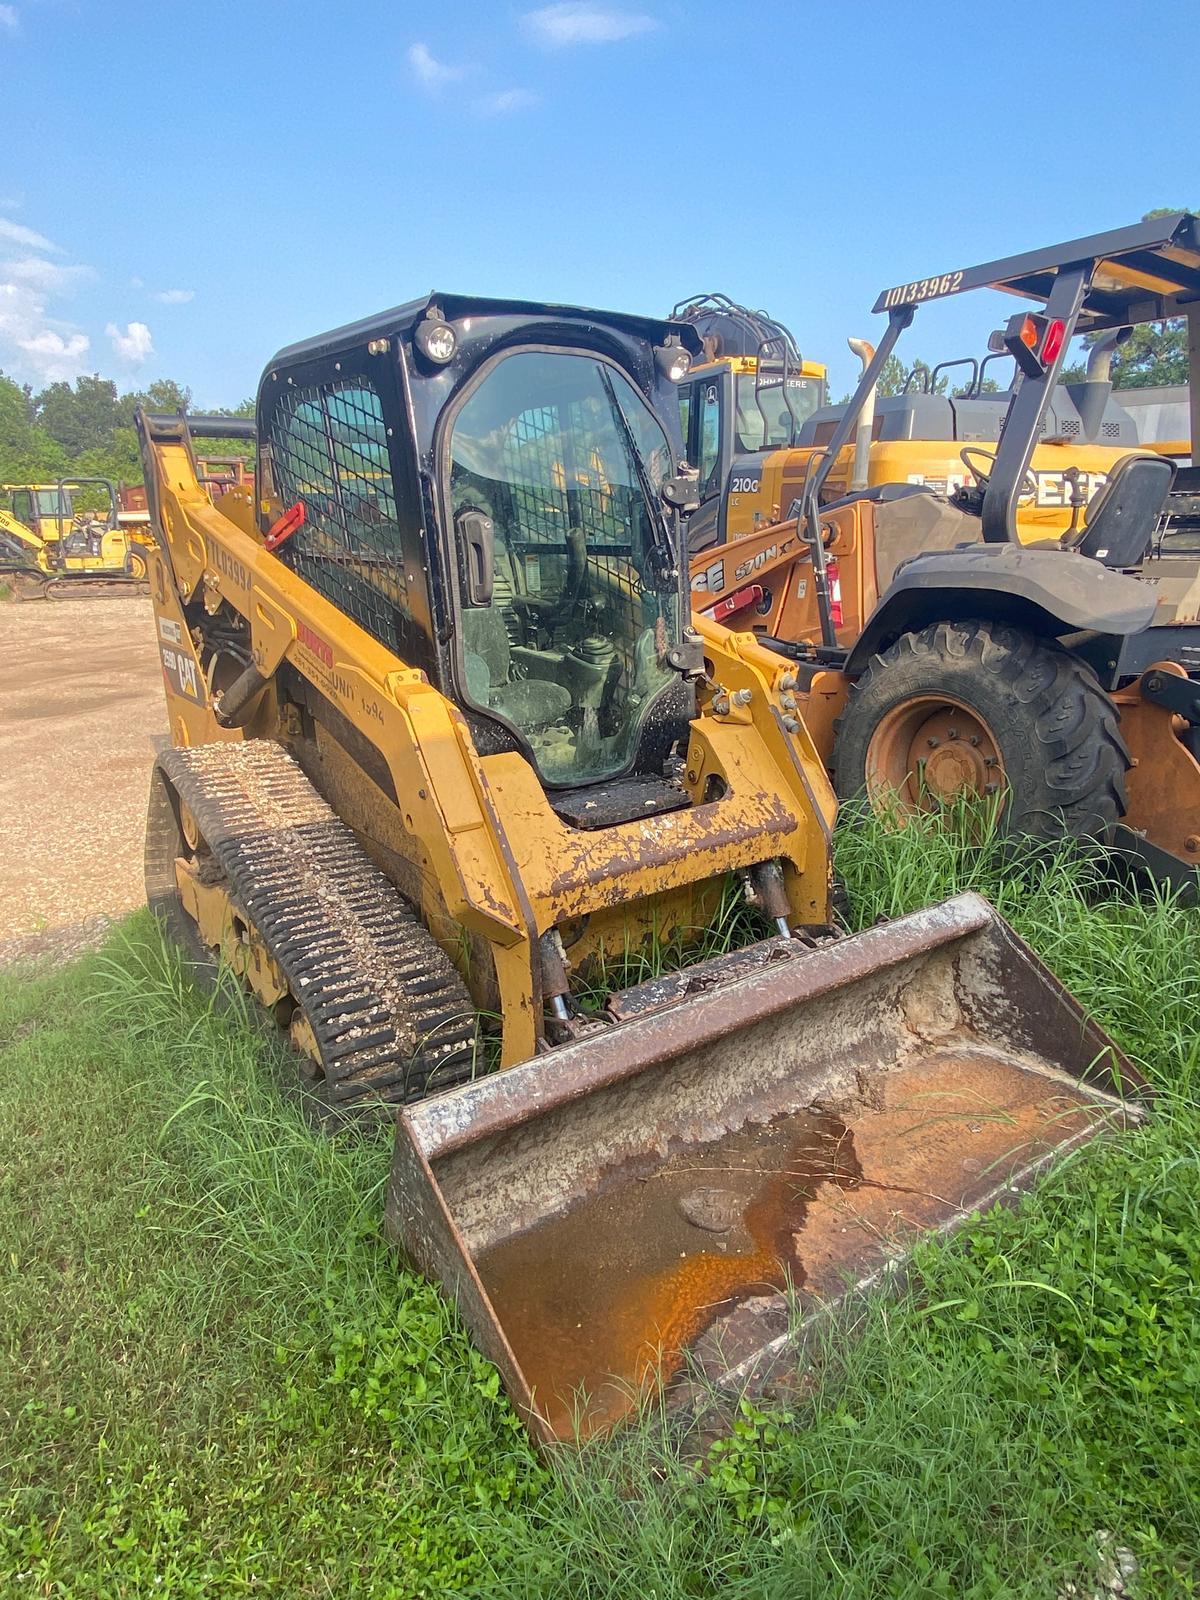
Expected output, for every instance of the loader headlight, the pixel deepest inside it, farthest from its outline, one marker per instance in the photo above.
(673, 361)
(436, 340)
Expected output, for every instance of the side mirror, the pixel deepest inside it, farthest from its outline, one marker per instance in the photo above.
(477, 532)
(682, 494)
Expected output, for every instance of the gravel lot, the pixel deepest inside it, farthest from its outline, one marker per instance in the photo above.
(80, 702)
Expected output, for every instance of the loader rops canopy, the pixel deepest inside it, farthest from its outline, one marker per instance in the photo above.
(1147, 272)
(1142, 273)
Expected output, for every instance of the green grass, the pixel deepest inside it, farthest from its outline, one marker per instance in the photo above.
(216, 1381)
(734, 923)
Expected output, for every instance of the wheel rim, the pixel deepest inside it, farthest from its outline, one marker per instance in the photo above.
(929, 751)
(189, 828)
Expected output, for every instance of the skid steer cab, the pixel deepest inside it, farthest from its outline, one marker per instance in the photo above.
(456, 784)
(937, 652)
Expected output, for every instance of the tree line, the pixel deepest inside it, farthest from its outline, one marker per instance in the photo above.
(85, 429)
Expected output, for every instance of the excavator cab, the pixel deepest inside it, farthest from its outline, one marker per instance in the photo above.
(57, 511)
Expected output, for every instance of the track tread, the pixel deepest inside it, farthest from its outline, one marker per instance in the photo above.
(390, 1014)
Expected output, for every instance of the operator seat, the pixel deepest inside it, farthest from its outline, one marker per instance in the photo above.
(1124, 510)
(531, 704)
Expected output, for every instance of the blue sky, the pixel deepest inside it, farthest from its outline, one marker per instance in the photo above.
(185, 188)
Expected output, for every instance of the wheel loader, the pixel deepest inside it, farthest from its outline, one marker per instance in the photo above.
(936, 654)
(447, 752)
(51, 544)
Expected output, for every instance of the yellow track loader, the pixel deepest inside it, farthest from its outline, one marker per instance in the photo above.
(52, 544)
(447, 752)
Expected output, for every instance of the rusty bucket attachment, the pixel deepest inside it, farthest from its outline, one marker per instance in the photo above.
(641, 1203)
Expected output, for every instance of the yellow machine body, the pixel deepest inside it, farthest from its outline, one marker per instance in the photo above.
(61, 541)
(328, 799)
(1045, 511)
(473, 838)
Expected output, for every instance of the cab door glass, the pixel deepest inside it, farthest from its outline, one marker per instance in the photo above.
(54, 503)
(710, 440)
(560, 460)
(685, 416)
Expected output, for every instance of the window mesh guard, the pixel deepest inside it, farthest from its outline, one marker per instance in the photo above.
(330, 451)
(550, 493)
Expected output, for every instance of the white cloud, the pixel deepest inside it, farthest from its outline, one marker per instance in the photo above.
(15, 233)
(431, 73)
(9, 18)
(498, 105)
(137, 283)
(57, 355)
(175, 297)
(47, 277)
(135, 345)
(35, 344)
(580, 22)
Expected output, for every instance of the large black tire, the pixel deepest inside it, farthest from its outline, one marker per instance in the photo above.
(1057, 761)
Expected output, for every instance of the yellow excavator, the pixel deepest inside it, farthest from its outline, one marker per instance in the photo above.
(459, 794)
(68, 536)
(754, 453)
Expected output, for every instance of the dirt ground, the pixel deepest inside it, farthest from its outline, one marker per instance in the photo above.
(80, 702)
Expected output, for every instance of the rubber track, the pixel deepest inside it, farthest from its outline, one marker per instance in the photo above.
(390, 1013)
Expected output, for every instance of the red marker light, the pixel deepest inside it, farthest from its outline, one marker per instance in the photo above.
(1053, 342)
(835, 593)
(1035, 343)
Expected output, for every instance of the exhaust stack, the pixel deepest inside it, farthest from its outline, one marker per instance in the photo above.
(861, 470)
(1091, 396)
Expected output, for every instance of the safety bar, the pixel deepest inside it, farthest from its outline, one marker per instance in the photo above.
(199, 424)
